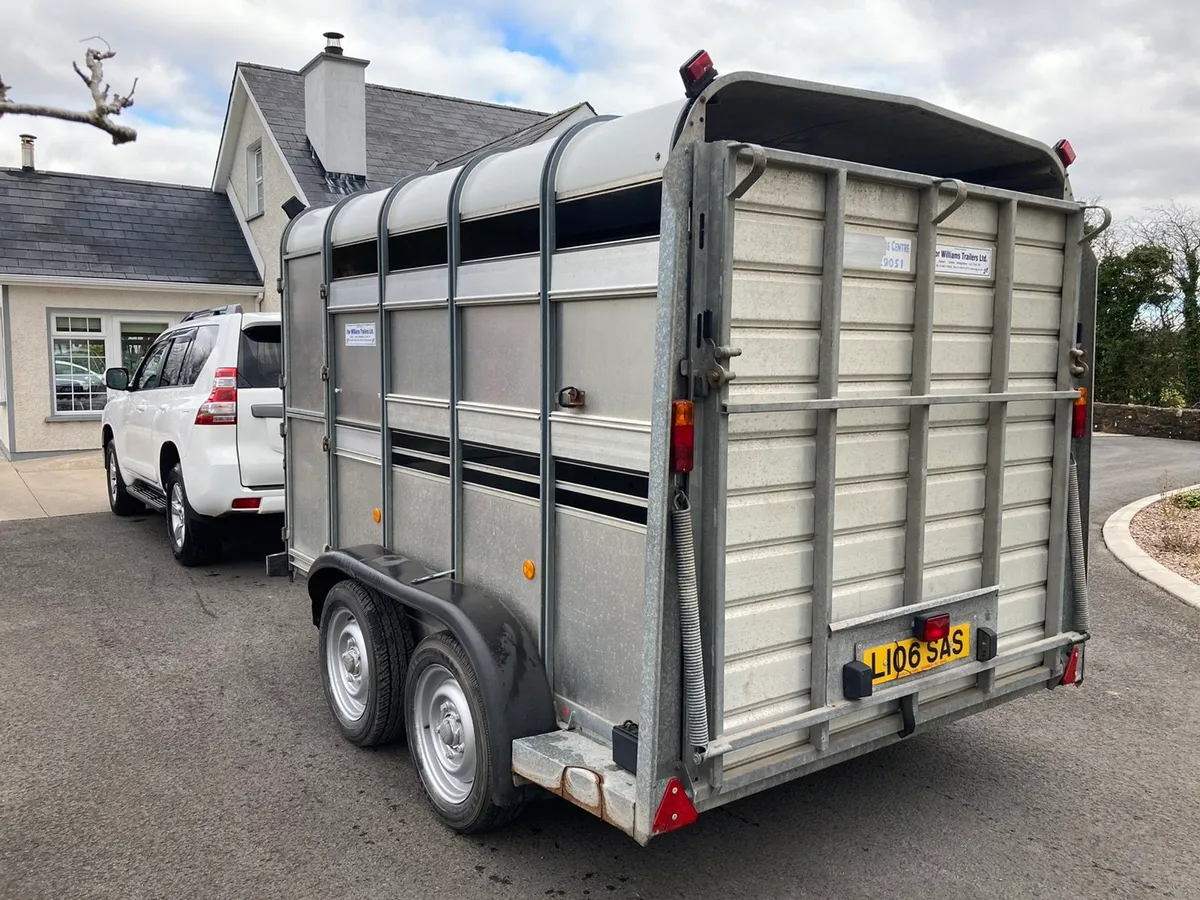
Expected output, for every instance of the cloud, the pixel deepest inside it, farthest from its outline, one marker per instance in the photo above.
(1119, 81)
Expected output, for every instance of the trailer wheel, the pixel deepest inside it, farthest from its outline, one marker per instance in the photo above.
(449, 737)
(364, 652)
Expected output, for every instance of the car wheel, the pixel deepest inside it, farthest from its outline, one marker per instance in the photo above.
(193, 541)
(364, 655)
(119, 500)
(449, 737)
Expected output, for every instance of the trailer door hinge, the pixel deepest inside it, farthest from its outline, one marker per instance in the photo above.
(325, 444)
(324, 373)
(279, 285)
(324, 291)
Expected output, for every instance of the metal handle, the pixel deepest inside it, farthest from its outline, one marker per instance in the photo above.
(959, 199)
(1089, 236)
(758, 165)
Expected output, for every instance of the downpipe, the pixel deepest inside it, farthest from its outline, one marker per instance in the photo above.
(695, 697)
(1075, 537)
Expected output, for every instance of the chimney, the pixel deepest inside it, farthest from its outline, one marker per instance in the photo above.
(335, 108)
(27, 152)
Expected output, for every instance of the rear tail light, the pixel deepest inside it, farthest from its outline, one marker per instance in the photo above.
(697, 73)
(1079, 412)
(683, 436)
(675, 810)
(247, 502)
(221, 406)
(932, 628)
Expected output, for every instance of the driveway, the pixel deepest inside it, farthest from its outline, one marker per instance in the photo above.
(163, 734)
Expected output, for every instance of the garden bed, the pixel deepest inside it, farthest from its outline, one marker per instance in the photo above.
(1169, 532)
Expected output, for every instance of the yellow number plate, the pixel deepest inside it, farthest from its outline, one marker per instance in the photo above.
(911, 657)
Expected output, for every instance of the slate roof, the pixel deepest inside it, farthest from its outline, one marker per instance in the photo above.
(85, 226)
(523, 138)
(407, 131)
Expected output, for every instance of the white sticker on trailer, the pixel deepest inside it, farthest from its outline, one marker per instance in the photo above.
(360, 334)
(973, 262)
(875, 252)
(897, 254)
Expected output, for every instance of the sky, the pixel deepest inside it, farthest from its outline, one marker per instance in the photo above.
(1119, 78)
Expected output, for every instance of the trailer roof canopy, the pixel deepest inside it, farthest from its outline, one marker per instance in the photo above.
(877, 129)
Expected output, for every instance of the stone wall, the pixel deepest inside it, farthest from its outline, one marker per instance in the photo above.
(1147, 421)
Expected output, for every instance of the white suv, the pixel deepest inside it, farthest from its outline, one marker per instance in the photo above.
(194, 432)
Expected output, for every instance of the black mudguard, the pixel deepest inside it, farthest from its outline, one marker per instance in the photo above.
(505, 656)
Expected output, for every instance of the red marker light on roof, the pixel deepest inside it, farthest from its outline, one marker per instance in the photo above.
(697, 74)
(932, 628)
(1066, 153)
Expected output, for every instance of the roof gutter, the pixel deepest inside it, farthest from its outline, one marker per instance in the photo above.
(131, 284)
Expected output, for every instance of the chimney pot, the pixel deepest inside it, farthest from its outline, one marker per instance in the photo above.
(27, 152)
(333, 42)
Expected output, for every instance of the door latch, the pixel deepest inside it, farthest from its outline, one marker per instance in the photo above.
(571, 398)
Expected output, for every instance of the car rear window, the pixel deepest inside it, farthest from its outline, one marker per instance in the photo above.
(260, 359)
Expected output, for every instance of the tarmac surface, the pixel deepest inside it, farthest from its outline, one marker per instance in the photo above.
(163, 734)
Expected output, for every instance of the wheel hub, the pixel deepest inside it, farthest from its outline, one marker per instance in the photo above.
(445, 735)
(450, 731)
(347, 666)
(352, 662)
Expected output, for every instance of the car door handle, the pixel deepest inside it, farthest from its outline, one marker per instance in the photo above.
(141, 407)
(163, 406)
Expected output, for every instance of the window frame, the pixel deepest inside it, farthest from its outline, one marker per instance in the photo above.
(111, 323)
(255, 181)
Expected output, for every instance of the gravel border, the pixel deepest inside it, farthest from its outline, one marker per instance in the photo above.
(1122, 545)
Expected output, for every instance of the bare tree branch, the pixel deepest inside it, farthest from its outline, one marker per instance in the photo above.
(103, 108)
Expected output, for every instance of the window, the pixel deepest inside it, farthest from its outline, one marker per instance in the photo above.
(256, 202)
(260, 358)
(85, 343)
(199, 350)
(174, 362)
(147, 375)
(80, 358)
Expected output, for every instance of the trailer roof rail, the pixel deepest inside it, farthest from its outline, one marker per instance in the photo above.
(231, 309)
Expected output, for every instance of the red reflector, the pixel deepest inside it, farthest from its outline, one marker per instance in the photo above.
(1079, 410)
(683, 436)
(699, 66)
(1066, 153)
(247, 502)
(932, 628)
(675, 810)
(1073, 673)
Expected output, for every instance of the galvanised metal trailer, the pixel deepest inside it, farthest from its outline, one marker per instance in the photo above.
(694, 450)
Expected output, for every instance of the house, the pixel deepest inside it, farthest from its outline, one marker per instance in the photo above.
(93, 269)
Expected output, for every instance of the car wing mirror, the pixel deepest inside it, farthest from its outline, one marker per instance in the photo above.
(116, 379)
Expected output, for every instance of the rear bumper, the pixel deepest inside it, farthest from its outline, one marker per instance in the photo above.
(213, 478)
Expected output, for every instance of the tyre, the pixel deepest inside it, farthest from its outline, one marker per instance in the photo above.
(119, 500)
(449, 736)
(194, 542)
(364, 655)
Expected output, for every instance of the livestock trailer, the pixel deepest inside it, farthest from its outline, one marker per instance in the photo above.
(691, 451)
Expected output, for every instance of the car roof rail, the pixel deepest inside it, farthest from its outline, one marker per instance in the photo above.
(229, 310)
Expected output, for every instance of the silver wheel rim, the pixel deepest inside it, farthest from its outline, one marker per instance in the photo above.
(178, 520)
(347, 666)
(112, 476)
(446, 734)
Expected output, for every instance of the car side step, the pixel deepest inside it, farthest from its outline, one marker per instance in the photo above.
(152, 498)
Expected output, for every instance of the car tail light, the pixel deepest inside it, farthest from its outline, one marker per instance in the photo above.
(932, 628)
(247, 502)
(675, 809)
(1065, 152)
(683, 436)
(221, 406)
(1079, 411)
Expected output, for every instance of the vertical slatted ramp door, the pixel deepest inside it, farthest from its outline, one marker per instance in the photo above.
(843, 289)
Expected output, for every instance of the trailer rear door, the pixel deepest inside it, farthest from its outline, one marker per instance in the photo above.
(896, 441)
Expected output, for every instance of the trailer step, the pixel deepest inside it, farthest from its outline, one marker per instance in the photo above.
(580, 769)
